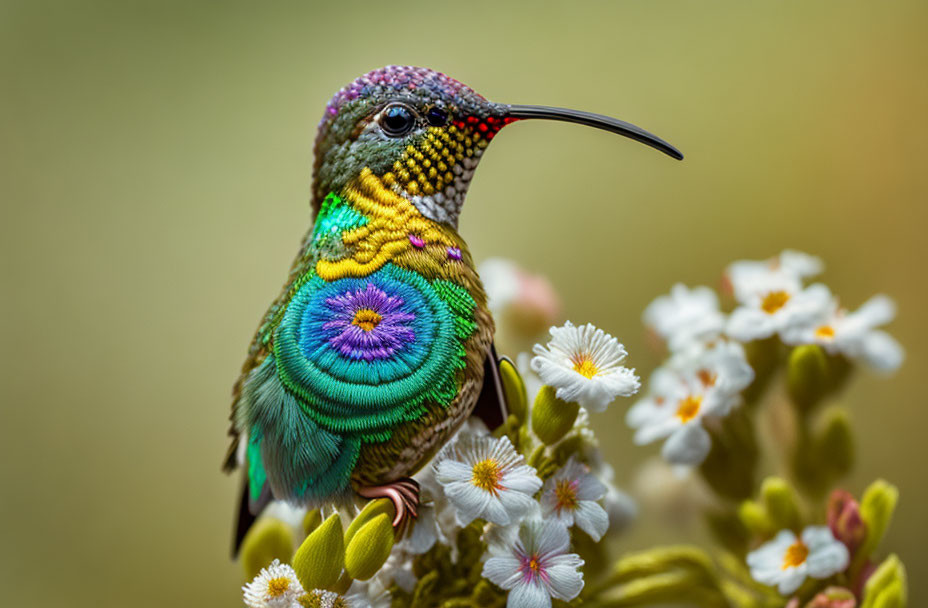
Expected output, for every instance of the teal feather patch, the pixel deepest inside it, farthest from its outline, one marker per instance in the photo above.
(334, 219)
(257, 476)
(302, 461)
(364, 355)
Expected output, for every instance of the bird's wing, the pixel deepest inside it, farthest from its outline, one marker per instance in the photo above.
(260, 344)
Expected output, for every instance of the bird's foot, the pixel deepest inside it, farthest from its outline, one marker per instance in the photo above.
(403, 493)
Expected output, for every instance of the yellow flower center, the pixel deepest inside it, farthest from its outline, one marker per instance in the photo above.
(366, 319)
(584, 366)
(276, 587)
(486, 475)
(825, 332)
(688, 408)
(706, 377)
(774, 301)
(795, 555)
(566, 495)
(534, 565)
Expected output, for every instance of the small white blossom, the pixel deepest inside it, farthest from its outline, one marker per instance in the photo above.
(679, 418)
(743, 276)
(720, 366)
(535, 565)
(685, 316)
(570, 495)
(854, 334)
(276, 586)
(329, 599)
(486, 478)
(702, 382)
(662, 384)
(786, 561)
(776, 304)
(584, 365)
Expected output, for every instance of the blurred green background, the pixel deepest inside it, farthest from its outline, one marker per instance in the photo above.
(155, 161)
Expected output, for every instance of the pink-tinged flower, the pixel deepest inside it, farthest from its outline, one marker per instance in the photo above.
(535, 566)
(523, 302)
(844, 519)
(571, 496)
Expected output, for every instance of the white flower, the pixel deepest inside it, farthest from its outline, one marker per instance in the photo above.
(685, 316)
(523, 304)
(776, 304)
(276, 586)
(703, 381)
(719, 366)
(535, 566)
(679, 418)
(584, 365)
(853, 334)
(786, 561)
(743, 275)
(486, 478)
(571, 494)
(661, 386)
(329, 599)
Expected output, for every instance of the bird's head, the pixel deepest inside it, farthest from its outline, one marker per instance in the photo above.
(422, 134)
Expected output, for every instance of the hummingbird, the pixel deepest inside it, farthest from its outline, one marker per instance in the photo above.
(380, 344)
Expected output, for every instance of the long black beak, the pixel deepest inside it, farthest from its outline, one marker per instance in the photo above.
(599, 121)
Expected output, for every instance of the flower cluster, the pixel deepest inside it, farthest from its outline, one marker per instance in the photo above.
(517, 516)
(708, 370)
(514, 513)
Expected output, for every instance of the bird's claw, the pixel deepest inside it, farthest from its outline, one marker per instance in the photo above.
(403, 493)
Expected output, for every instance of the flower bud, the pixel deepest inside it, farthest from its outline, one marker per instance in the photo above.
(886, 587)
(807, 375)
(844, 519)
(781, 503)
(552, 418)
(876, 510)
(371, 510)
(835, 445)
(311, 521)
(754, 518)
(267, 540)
(369, 548)
(318, 562)
(514, 389)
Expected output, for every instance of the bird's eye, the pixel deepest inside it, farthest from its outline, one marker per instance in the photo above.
(437, 117)
(397, 120)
